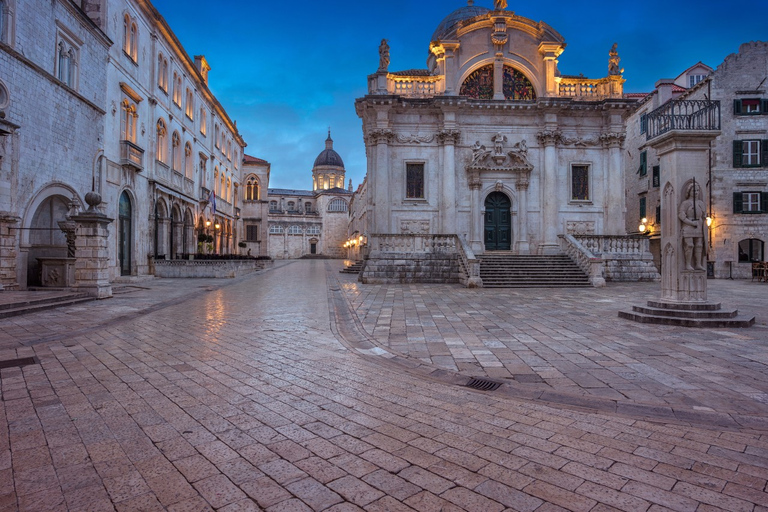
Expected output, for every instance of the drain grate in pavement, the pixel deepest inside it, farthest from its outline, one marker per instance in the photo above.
(483, 384)
(13, 363)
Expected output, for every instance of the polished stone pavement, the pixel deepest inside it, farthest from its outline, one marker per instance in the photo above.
(299, 389)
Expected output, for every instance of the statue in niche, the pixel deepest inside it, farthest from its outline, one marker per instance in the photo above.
(500, 5)
(498, 143)
(613, 61)
(384, 55)
(692, 213)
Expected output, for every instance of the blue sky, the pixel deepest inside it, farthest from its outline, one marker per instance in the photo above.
(286, 71)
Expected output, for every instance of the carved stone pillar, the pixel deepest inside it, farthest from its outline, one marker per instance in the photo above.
(92, 250)
(9, 243)
(381, 181)
(448, 138)
(451, 68)
(523, 180)
(549, 200)
(551, 51)
(614, 186)
(476, 213)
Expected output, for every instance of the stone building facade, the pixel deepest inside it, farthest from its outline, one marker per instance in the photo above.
(99, 95)
(255, 209)
(491, 142)
(312, 222)
(736, 191)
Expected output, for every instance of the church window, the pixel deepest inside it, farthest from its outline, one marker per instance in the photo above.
(162, 141)
(176, 151)
(479, 85)
(276, 230)
(162, 72)
(414, 181)
(190, 106)
(252, 233)
(129, 120)
(751, 249)
(251, 189)
(313, 230)
(295, 230)
(189, 169)
(580, 182)
(337, 205)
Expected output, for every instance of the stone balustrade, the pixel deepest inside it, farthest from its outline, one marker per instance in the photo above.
(585, 259)
(623, 258)
(219, 269)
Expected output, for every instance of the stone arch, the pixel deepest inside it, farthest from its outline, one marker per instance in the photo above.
(125, 231)
(177, 232)
(162, 225)
(520, 65)
(189, 231)
(669, 210)
(497, 221)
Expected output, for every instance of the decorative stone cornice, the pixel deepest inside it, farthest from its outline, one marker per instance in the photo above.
(549, 137)
(449, 137)
(414, 139)
(613, 139)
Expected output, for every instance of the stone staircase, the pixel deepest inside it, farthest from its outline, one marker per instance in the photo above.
(710, 315)
(22, 303)
(506, 270)
(353, 268)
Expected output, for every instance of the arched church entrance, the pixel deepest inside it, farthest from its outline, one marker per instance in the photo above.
(46, 239)
(498, 222)
(125, 234)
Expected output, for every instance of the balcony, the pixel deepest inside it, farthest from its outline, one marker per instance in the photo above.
(131, 155)
(687, 115)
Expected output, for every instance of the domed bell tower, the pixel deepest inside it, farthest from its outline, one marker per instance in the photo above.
(328, 171)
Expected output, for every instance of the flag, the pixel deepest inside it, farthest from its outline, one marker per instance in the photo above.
(212, 201)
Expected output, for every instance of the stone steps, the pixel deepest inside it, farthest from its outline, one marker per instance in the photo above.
(507, 270)
(354, 268)
(25, 306)
(687, 315)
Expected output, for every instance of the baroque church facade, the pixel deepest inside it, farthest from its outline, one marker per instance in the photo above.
(307, 223)
(491, 142)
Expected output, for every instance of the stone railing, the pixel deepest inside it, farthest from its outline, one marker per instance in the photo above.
(469, 265)
(625, 258)
(591, 89)
(695, 115)
(588, 263)
(412, 87)
(131, 155)
(429, 244)
(207, 268)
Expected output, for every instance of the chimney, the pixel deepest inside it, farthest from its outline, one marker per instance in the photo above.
(664, 86)
(202, 66)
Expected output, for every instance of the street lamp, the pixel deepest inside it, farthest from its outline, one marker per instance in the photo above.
(643, 225)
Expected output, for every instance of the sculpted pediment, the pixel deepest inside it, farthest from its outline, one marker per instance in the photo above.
(499, 158)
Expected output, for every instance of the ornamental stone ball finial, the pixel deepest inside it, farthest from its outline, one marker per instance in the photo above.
(500, 5)
(384, 55)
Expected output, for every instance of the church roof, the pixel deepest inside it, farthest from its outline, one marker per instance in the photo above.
(290, 192)
(449, 23)
(329, 157)
(335, 191)
(248, 159)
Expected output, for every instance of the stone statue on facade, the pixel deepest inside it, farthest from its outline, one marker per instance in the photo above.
(498, 143)
(692, 215)
(613, 61)
(500, 5)
(384, 55)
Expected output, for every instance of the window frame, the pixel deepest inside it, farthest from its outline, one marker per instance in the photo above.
(176, 152)
(251, 229)
(748, 255)
(66, 42)
(407, 193)
(761, 105)
(189, 168)
(276, 229)
(761, 202)
(337, 201)
(656, 176)
(161, 153)
(642, 171)
(162, 72)
(571, 198)
(643, 206)
(129, 120)
(760, 154)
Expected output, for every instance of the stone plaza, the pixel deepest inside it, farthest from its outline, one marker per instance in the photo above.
(192, 395)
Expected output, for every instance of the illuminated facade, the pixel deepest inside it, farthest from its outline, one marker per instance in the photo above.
(491, 142)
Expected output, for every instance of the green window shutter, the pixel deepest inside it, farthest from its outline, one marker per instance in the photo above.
(738, 202)
(737, 151)
(643, 170)
(764, 109)
(764, 153)
(642, 208)
(764, 202)
(737, 107)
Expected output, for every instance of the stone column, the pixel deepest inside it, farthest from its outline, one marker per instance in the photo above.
(684, 156)
(9, 243)
(476, 213)
(382, 182)
(451, 69)
(498, 77)
(614, 185)
(523, 181)
(549, 200)
(92, 250)
(448, 193)
(550, 51)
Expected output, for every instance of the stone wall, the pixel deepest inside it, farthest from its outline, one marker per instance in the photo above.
(218, 269)
(411, 268)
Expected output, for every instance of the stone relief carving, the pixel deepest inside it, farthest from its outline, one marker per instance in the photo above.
(579, 227)
(380, 137)
(549, 137)
(414, 139)
(414, 227)
(580, 141)
(515, 159)
(692, 212)
(449, 136)
(611, 138)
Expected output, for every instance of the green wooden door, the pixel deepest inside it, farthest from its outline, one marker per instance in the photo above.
(498, 222)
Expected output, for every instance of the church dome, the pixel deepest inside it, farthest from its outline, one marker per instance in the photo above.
(447, 26)
(329, 157)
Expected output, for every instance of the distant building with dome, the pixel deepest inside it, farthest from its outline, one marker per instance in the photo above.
(489, 144)
(312, 222)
